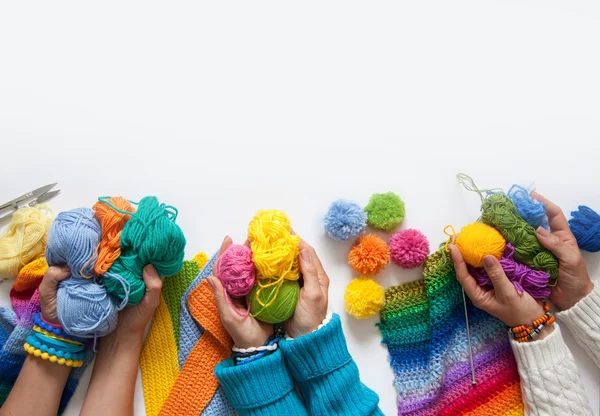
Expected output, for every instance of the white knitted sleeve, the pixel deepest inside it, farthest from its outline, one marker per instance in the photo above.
(549, 378)
(583, 320)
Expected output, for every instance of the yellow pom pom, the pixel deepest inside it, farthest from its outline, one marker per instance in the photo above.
(364, 297)
(478, 240)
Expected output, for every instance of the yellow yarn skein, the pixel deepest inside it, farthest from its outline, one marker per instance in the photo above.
(24, 240)
(478, 240)
(274, 250)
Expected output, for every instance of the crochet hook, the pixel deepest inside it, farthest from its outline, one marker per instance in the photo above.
(473, 380)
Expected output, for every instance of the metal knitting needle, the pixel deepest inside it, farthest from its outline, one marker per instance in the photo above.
(473, 380)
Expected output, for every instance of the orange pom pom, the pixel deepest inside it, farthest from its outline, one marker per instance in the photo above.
(370, 255)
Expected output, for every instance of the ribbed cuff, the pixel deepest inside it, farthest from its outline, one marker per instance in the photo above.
(584, 316)
(317, 353)
(269, 375)
(537, 356)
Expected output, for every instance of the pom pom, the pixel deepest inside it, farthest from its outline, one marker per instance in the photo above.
(370, 255)
(385, 211)
(478, 240)
(409, 248)
(236, 270)
(24, 240)
(280, 300)
(345, 220)
(364, 297)
(532, 211)
(585, 225)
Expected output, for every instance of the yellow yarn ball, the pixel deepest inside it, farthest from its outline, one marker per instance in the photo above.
(274, 248)
(364, 297)
(478, 240)
(24, 240)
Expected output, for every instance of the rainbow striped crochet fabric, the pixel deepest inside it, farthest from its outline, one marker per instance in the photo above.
(423, 325)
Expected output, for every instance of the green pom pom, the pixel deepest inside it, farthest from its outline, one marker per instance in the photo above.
(281, 309)
(385, 211)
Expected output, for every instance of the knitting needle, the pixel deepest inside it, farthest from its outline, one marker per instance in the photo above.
(473, 380)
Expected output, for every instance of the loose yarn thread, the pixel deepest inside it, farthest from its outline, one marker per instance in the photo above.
(83, 306)
(585, 225)
(151, 236)
(532, 211)
(236, 271)
(24, 240)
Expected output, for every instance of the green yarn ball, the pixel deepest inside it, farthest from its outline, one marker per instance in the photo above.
(281, 309)
(385, 211)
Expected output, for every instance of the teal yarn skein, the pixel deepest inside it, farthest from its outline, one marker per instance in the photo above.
(151, 236)
(83, 306)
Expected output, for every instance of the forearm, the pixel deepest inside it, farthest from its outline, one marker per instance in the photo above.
(549, 377)
(114, 376)
(40, 379)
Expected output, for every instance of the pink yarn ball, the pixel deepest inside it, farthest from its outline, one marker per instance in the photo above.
(409, 248)
(236, 271)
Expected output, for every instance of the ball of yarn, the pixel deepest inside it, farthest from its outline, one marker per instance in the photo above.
(498, 211)
(385, 211)
(364, 297)
(83, 306)
(370, 255)
(409, 248)
(478, 240)
(532, 211)
(151, 236)
(585, 225)
(274, 248)
(345, 220)
(24, 240)
(236, 271)
(112, 223)
(281, 301)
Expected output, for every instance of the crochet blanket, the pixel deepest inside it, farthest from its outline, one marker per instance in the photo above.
(423, 325)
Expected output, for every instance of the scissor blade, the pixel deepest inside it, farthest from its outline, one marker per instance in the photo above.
(46, 196)
(42, 190)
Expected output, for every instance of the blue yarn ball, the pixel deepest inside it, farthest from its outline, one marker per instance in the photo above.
(345, 220)
(585, 225)
(83, 306)
(532, 211)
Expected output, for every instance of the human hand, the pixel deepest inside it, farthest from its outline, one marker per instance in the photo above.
(573, 282)
(503, 301)
(314, 295)
(48, 288)
(246, 332)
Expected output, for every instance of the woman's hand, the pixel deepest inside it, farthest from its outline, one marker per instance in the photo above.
(48, 288)
(573, 282)
(312, 304)
(503, 301)
(246, 332)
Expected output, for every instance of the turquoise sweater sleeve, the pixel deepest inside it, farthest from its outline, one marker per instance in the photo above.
(263, 387)
(326, 374)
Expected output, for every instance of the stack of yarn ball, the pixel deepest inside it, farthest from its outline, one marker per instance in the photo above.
(266, 273)
(370, 254)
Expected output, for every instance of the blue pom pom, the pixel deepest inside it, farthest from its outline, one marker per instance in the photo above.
(345, 220)
(532, 211)
(585, 225)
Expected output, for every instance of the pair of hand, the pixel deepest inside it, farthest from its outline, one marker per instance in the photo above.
(310, 311)
(514, 308)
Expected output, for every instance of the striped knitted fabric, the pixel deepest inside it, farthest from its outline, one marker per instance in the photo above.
(423, 325)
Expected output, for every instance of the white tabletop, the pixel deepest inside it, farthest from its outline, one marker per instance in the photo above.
(224, 108)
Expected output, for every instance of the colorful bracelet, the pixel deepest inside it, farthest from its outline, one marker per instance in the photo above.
(526, 333)
(57, 330)
(245, 356)
(37, 349)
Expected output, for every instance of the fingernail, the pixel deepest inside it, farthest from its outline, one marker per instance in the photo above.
(542, 231)
(150, 269)
(305, 255)
(489, 261)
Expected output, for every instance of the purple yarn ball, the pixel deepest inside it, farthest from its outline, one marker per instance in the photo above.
(409, 248)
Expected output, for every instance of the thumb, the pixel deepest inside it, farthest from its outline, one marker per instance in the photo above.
(503, 287)
(309, 270)
(153, 286)
(219, 294)
(552, 243)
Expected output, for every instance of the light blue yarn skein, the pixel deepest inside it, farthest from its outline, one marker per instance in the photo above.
(83, 306)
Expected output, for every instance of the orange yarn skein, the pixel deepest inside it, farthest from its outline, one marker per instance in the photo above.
(112, 223)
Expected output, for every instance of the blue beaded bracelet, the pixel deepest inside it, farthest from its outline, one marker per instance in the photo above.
(34, 342)
(37, 319)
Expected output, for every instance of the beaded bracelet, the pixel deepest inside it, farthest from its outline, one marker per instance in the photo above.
(526, 333)
(53, 328)
(245, 356)
(37, 349)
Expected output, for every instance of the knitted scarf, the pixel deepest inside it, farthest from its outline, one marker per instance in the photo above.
(423, 325)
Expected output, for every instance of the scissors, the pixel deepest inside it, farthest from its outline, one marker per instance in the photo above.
(34, 197)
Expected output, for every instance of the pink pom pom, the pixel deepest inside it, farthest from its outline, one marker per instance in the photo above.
(236, 270)
(409, 248)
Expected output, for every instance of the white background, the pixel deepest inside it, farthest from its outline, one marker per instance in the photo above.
(223, 108)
